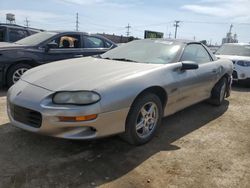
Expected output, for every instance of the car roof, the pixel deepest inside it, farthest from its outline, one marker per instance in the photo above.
(19, 26)
(80, 32)
(66, 31)
(72, 32)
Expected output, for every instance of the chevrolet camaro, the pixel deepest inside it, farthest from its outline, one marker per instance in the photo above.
(125, 91)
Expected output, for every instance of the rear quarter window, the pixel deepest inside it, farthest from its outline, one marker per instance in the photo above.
(17, 34)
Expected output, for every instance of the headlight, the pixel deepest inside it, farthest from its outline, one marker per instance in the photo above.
(76, 97)
(243, 63)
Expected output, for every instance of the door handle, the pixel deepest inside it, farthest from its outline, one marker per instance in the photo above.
(78, 56)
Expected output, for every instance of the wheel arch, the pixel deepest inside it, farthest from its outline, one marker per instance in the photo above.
(229, 82)
(30, 62)
(158, 91)
(228, 89)
(227, 76)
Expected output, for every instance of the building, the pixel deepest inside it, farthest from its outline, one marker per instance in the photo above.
(230, 38)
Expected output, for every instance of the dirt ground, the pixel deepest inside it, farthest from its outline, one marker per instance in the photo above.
(201, 146)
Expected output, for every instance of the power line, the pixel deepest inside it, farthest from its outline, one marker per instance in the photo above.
(77, 22)
(128, 30)
(213, 23)
(176, 25)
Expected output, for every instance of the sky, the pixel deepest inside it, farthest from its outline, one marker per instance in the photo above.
(200, 19)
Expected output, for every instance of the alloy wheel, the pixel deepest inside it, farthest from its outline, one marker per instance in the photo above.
(147, 120)
(18, 73)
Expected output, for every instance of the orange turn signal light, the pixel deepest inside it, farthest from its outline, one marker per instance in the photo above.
(78, 118)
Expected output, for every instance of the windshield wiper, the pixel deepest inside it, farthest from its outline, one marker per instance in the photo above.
(116, 59)
(99, 56)
(123, 59)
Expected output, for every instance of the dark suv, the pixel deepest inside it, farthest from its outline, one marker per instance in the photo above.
(45, 47)
(13, 33)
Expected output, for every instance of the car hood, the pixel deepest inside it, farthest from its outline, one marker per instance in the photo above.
(84, 73)
(234, 57)
(10, 46)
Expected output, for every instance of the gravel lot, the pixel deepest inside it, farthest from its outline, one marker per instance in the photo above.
(201, 146)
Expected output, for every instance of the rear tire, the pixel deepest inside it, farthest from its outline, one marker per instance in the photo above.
(143, 119)
(219, 92)
(15, 73)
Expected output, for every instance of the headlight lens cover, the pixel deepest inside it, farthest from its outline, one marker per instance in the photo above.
(76, 97)
(243, 63)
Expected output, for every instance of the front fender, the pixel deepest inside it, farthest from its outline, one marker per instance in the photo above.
(122, 93)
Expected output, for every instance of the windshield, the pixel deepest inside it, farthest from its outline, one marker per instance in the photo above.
(36, 38)
(144, 51)
(240, 50)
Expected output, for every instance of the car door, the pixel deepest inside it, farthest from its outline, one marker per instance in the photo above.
(93, 45)
(205, 74)
(65, 47)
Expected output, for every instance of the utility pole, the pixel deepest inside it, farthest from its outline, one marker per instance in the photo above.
(77, 22)
(26, 22)
(128, 30)
(176, 25)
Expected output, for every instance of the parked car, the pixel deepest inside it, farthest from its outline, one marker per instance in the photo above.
(239, 53)
(45, 47)
(13, 33)
(124, 91)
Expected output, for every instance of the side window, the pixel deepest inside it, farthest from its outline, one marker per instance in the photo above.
(93, 42)
(196, 53)
(67, 41)
(2, 34)
(17, 34)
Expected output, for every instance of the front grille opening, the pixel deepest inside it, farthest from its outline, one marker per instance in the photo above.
(26, 116)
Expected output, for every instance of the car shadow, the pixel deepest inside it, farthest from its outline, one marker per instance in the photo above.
(241, 87)
(3, 92)
(28, 159)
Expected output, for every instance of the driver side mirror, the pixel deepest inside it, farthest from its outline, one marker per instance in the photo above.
(189, 65)
(50, 45)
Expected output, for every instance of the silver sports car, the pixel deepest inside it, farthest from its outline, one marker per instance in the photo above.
(125, 91)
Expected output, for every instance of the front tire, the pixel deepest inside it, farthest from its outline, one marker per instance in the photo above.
(143, 119)
(15, 73)
(219, 92)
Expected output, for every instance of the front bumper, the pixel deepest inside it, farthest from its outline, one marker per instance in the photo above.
(241, 73)
(38, 99)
